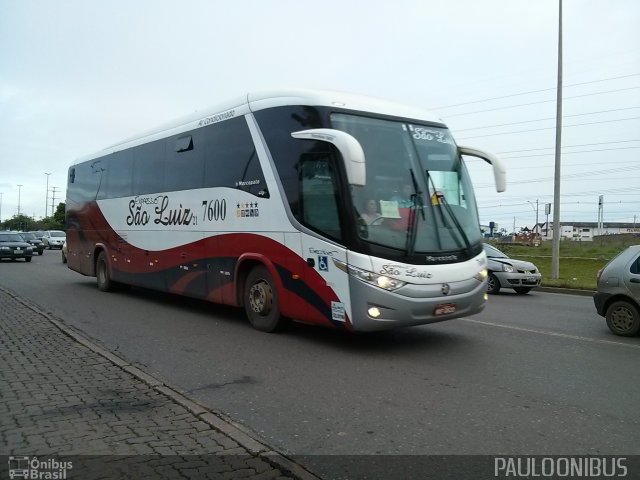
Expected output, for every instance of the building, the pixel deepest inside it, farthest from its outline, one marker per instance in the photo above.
(585, 231)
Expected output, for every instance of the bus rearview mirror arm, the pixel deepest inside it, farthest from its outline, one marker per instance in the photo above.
(349, 147)
(499, 172)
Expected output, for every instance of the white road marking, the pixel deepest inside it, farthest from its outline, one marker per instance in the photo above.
(551, 334)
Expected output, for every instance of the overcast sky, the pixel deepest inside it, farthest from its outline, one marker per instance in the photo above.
(77, 76)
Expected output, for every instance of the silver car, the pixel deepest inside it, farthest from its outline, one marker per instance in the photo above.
(54, 239)
(618, 295)
(505, 272)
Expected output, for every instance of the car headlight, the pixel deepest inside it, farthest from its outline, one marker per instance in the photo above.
(4, 249)
(508, 268)
(380, 281)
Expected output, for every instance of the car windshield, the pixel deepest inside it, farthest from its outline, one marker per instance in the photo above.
(10, 237)
(493, 252)
(58, 234)
(28, 236)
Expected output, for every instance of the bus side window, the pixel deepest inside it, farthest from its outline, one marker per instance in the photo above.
(318, 196)
(231, 159)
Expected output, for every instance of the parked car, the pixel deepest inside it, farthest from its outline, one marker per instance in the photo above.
(618, 293)
(34, 241)
(13, 246)
(505, 272)
(64, 252)
(54, 239)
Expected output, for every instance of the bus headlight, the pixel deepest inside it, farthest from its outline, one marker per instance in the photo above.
(381, 281)
(481, 276)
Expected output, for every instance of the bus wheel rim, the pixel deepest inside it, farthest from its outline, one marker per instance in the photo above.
(261, 298)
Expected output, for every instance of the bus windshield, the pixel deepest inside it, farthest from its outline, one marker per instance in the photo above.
(418, 195)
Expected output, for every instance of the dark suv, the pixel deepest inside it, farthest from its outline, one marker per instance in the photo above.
(34, 241)
(618, 295)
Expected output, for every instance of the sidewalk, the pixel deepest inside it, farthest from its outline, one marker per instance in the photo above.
(64, 398)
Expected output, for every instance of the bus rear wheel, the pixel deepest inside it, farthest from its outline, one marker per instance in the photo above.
(102, 273)
(261, 302)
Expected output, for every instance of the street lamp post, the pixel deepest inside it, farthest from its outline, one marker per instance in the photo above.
(19, 189)
(1, 194)
(46, 195)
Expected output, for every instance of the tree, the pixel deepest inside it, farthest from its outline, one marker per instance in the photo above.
(19, 223)
(56, 222)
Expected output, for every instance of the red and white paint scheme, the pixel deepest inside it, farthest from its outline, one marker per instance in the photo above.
(321, 207)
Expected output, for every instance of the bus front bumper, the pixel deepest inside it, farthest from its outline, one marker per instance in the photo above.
(399, 310)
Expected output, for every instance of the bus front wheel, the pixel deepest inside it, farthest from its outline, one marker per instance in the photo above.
(102, 273)
(261, 301)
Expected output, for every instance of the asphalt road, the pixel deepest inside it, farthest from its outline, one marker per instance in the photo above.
(533, 375)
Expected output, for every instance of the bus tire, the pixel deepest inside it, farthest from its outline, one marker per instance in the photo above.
(261, 302)
(102, 273)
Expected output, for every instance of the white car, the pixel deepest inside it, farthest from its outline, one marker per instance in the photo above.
(54, 239)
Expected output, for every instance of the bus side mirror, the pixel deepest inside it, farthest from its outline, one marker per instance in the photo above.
(499, 172)
(349, 147)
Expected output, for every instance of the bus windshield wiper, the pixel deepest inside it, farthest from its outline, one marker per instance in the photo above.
(442, 201)
(412, 227)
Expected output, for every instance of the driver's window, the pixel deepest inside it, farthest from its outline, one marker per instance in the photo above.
(318, 196)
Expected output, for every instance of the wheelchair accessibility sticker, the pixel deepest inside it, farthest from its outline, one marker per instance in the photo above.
(323, 263)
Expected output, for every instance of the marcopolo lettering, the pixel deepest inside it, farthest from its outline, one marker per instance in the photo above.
(218, 117)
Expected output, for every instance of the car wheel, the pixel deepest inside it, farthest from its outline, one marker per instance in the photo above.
(493, 284)
(41, 252)
(64, 258)
(27, 259)
(102, 273)
(261, 302)
(522, 290)
(623, 318)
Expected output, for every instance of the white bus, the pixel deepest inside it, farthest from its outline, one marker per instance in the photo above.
(266, 203)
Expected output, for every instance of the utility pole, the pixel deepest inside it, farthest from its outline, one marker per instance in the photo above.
(535, 228)
(555, 251)
(19, 189)
(46, 195)
(600, 214)
(53, 198)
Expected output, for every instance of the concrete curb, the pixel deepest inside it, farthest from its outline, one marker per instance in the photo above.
(567, 291)
(217, 420)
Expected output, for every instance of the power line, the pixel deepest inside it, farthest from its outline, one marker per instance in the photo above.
(547, 118)
(541, 101)
(592, 164)
(534, 91)
(568, 153)
(595, 202)
(567, 146)
(550, 128)
(635, 191)
(573, 175)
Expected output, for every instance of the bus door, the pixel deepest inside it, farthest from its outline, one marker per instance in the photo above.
(328, 285)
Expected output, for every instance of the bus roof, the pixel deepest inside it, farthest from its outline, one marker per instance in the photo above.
(255, 101)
